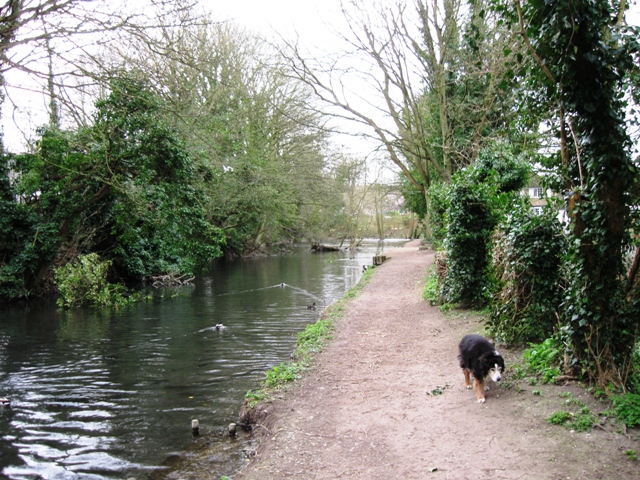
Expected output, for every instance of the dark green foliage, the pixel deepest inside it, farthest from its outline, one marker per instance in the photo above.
(633, 382)
(469, 228)
(439, 194)
(579, 75)
(498, 166)
(414, 199)
(592, 61)
(527, 259)
(627, 408)
(474, 203)
(155, 221)
(27, 239)
(124, 188)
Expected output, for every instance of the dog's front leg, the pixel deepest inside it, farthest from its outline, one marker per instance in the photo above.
(478, 386)
(467, 378)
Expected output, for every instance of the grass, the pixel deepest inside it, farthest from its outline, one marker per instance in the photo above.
(432, 288)
(582, 420)
(311, 341)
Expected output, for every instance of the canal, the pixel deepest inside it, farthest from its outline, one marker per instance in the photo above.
(111, 394)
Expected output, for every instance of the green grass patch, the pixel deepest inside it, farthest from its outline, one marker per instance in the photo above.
(581, 421)
(281, 374)
(310, 342)
(559, 418)
(431, 291)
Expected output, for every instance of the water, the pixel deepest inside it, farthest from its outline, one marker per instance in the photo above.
(110, 394)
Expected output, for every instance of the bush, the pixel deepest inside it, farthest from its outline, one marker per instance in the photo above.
(527, 256)
(544, 360)
(634, 374)
(439, 200)
(627, 408)
(84, 283)
(467, 244)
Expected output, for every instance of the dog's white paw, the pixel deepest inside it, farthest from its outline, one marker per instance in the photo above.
(486, 389)
(469, 387)
(481, 400)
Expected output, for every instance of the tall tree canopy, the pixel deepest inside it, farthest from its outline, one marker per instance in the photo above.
(125, 187)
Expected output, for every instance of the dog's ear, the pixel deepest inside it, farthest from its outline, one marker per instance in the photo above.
(486, 357)
(492, 358)
(500, 361)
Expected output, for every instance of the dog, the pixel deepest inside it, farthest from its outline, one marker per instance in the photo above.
(478, 357)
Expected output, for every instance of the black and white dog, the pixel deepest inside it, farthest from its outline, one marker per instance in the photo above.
(478, 357)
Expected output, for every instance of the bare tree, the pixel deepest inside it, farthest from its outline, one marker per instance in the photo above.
(403, 64)
(56, 42)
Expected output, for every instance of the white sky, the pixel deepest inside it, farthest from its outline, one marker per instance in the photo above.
(314, 21)
(306, 19)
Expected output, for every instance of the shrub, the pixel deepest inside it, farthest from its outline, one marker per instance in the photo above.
(527, 255)
(467, 244)
(634, 372)
(544, 360)
(627, 408)
(84, 283)
(439, 199)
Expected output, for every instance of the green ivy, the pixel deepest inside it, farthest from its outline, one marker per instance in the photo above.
(467, 244)
(582, 59)
(527, 258)
(477, 198)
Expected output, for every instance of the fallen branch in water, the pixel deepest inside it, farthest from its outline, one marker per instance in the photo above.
(171, 280)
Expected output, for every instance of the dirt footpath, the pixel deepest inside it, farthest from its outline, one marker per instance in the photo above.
(386, 400)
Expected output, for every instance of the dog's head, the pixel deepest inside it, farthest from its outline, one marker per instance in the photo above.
(494, 364)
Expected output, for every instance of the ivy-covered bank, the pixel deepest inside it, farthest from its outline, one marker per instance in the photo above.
(571, 274)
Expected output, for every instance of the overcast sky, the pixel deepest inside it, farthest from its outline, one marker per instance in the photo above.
(306, 19)
(313, 21)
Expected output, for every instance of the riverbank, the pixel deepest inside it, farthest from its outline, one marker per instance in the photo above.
(386, 399)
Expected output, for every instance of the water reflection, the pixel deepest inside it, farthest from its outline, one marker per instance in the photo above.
(110, 394)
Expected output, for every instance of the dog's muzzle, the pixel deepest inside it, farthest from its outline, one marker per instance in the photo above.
(495, 374)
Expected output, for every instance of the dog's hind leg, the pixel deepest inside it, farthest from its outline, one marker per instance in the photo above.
(467, 378)
(478, 386)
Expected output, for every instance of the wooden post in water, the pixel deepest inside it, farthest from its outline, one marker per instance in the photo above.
(379, 259)
(195, 427)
